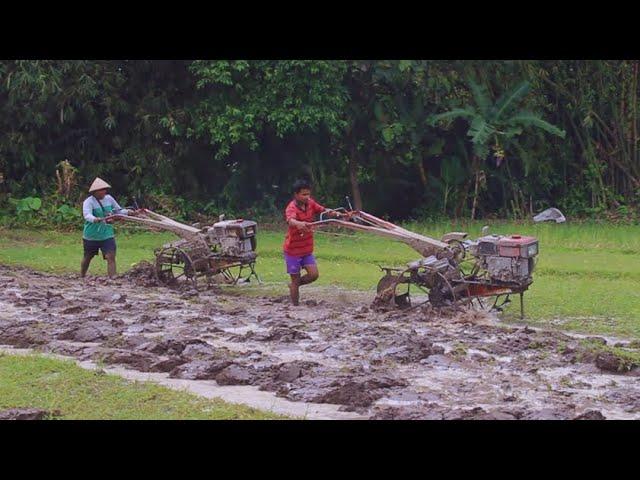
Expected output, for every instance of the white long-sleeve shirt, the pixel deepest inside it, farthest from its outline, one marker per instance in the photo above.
(91, 209)
(91, 205)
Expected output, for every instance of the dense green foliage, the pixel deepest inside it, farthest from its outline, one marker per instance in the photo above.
(406, 139)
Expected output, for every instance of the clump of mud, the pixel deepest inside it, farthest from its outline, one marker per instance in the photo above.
(613, 363)
(27, 414)
(455, 313)
(409, 349)
(591, 415)
(383, 302)
(199, 369)
(142, 274)
(356, 392)
(22, 336)
(236, 374)
(137, 360)
(282, 334)
(434, 411)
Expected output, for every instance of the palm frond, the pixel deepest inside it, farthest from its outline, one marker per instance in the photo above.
(510, 98)
(481, 150)
(481, 97)
(525, 157)
(480, 131)
(529, 119)
(451, 114)
(512, 132)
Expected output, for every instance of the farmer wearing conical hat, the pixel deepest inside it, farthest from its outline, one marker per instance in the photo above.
(98, 210)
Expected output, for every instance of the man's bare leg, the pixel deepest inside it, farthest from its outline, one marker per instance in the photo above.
(294, 289)
(311, 275)
(84, 265)
(111, 264)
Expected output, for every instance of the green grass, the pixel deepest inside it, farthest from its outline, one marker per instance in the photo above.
(587, 277)
(61, 252)
(35, 381)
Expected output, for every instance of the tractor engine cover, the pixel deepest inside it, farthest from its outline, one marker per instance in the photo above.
(507, 258)
(509, 269)
(236, 237)
(488, 245)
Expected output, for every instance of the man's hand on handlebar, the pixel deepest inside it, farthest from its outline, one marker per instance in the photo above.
(302, 226)
(344, 215)
(305, 227)
(335, 214)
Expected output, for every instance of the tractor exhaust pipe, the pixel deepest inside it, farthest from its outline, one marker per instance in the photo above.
(348, 203)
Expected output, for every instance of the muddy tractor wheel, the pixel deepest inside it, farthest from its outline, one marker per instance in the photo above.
(389, 290)
(442, 292)
(459, 249)
(173, 265)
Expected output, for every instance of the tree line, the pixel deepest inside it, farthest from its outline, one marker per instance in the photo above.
(402, 138)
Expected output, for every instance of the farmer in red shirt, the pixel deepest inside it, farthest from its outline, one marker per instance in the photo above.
(298, 244)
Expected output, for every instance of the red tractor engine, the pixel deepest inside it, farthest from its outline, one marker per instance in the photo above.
(509, 259)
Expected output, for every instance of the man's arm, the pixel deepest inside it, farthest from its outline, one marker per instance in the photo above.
(333, 213)
(304, 226)
(290, 217)
(117, 208)
(330, 212)
(87, 212)
(317, 208)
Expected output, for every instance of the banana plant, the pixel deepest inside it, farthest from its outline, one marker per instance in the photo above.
(499, 121)
(492, 125)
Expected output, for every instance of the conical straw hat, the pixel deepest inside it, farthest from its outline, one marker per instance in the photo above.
(98, 184)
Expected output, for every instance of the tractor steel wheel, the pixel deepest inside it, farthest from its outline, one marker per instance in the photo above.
(173, 265)
(442, 292)
(389, 290)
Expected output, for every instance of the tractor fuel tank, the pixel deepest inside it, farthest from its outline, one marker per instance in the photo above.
(518, 246)
(507, 246)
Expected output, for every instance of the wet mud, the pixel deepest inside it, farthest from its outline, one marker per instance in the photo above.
(27, 414)
(383, 364)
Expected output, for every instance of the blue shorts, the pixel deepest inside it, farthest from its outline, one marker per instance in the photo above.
(91, 247)
(294, 264)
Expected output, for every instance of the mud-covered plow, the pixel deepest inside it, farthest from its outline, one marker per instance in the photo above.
(485, 271)
(224, 252)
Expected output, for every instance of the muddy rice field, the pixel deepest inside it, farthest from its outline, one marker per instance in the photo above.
(332, 349)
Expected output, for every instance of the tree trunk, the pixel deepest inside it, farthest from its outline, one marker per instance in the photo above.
(446, 197)
(476, 170)
(463, 202)
(353, 177)
(423, 173)
(475, 198)
(635, 116)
